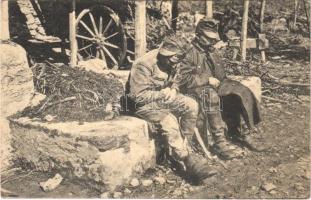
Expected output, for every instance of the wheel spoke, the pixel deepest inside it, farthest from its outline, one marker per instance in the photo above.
(87, 28)
(108, 25)
(100, 27)
(93, 23)
(109, 54)
(110, 36)
(111, 45)
(85, 47)
(84, 37)
(102, 54)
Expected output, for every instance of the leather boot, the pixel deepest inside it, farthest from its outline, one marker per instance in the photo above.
(224, 149)
(198, 168)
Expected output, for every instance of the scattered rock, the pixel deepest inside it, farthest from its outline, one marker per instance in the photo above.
(134, 182)
(307, 175)
(51, 183)
(117, 195)
(272, 192)
(105, 195)
(160, 180)
(268, 187)
(127, 191)
(171, 181)
(147, 183)
(273, 170)
(177, 193)
(299, 186)
(49, 118)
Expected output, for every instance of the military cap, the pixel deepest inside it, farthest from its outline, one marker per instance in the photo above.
(170, 46)
(208, 27)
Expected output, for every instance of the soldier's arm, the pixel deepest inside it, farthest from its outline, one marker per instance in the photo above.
(141, 85)
(187, 76)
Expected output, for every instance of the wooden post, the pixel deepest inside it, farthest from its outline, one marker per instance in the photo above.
(140, 28)
(297, 4)
(209, 8)
(244, 30)
(307, 10)
(5, 32)
(262, 16)
(174, 14)
(72, 34)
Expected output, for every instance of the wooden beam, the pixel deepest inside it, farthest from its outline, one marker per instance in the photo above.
(72, 35)
(244, 30)
(140, 28)
(5, 31)
(209, 8)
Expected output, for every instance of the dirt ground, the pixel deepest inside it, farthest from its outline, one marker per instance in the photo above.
(282, 171)
(285, 164)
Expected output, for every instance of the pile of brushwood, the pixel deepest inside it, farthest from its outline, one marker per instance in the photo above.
(74, 94)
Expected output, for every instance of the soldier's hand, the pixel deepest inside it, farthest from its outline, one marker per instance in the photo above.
(214, 82)
(169, 94)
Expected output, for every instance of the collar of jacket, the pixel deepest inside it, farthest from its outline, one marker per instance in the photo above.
(196, 43)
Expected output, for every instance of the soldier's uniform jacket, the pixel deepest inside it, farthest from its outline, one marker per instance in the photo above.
(146, 79)
(196, 67)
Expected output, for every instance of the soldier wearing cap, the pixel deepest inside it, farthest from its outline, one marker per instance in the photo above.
(199, 74)
(157, 101)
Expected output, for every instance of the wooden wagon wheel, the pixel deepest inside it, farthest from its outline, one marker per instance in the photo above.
(100, 34)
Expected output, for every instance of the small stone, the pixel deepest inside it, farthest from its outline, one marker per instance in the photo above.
(147, 183)
(105, 195)
(177, 193)
(299, 186)
(254, 188)
(191, 189)
(117, 195)
(272, 192)
(51, 183)
(307, 175)
(268, 187)
(171, 181)
(160, 180)
(273, 170)
(134, 182)
(49, 118)
(127, 191)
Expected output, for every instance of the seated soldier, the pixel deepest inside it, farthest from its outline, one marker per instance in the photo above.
(156, 102)
(199, 74)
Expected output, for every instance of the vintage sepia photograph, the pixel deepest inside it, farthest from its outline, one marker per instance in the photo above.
(155, 99)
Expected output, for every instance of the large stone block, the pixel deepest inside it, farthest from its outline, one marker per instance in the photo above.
(17, 89)
(251, 82)
(104, 154)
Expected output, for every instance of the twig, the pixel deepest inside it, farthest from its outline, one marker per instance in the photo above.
(273, 99)
(62, 101)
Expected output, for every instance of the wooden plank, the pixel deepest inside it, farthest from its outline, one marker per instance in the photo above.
(251, 43)
(209, 8)
(140, 28)
(5, 31)
(72, 34)
(244, 30)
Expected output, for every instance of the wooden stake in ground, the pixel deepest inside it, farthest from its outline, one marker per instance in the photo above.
(140, 28)
(72, 34)
(262, 16)
(306, 6)
(174, 14)
(209, 8)
(244, 30)
(4, 18)
(297, 4)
